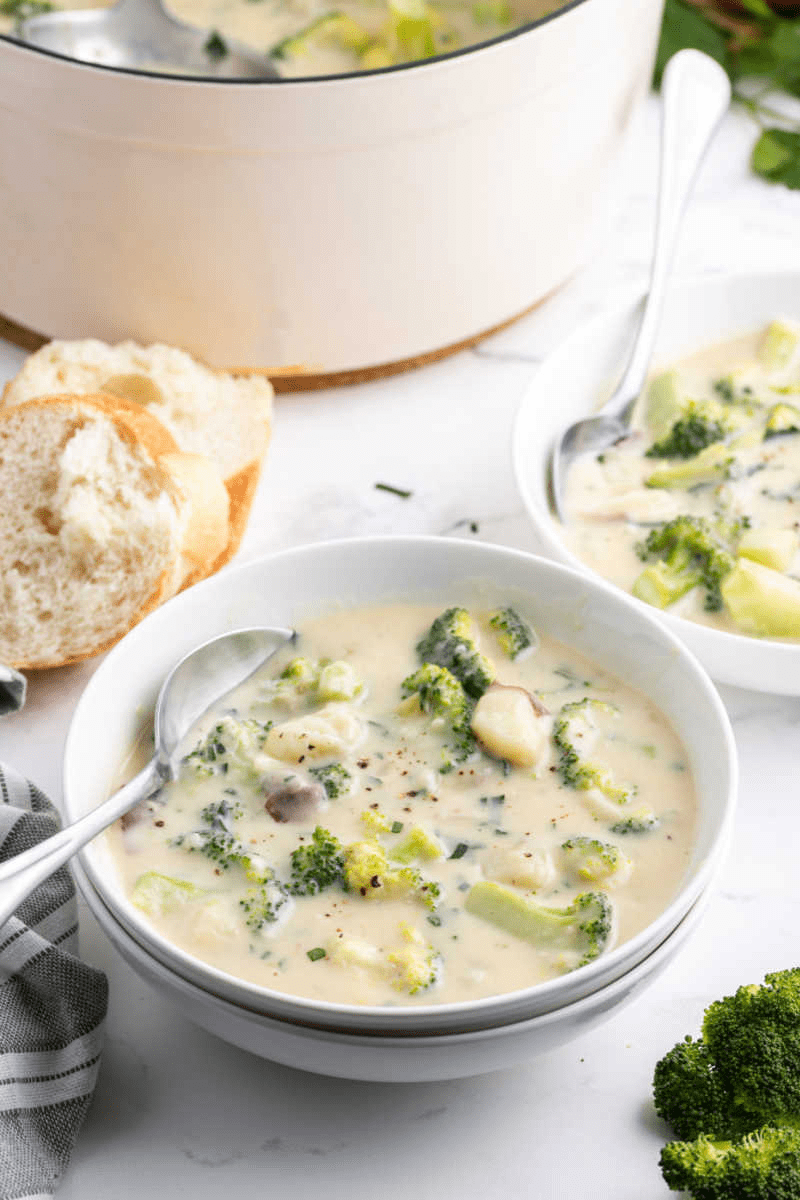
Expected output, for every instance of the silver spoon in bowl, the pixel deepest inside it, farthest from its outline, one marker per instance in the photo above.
(696, 94)
(142, 35)
(200, 678)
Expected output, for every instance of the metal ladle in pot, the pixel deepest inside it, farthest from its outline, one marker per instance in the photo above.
(142, 35)
(200, 679)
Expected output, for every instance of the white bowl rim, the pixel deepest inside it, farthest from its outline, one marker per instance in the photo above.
(682, 930)
(725, 642)
(418, 1014)
(224, 81)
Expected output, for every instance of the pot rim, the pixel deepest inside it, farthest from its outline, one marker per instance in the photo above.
(166, 77)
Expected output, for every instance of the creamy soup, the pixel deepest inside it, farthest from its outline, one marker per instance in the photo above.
(698, 511)
(313, 37)
(415, 807)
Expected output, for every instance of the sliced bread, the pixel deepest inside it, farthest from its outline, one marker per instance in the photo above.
(208, 412)
(102, 518)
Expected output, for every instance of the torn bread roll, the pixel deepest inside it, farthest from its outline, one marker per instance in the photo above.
(225, 417)
(102, 519)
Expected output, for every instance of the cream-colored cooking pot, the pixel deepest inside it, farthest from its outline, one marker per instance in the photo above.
(334, 223)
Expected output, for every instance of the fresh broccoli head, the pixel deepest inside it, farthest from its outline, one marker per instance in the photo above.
(579, 931)
(336, 779)
(753, 1038)
(514, 635)
(742, 1072)
(593, 861)
(450, 643)
(317, 864)
(689, 552)
(763, 1165)
(367, 870)
(688, 1094)
(691, 433)
(440, 695)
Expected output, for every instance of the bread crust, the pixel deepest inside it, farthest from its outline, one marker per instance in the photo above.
(241, 485)
(208, 531)
(192, 481)
(241, 489)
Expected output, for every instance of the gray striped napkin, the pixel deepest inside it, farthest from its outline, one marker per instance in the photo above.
(12, 690)
(52, 1011)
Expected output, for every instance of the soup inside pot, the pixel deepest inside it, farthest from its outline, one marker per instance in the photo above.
(315, 37)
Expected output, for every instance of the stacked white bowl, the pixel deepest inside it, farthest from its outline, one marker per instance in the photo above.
(420, 1041)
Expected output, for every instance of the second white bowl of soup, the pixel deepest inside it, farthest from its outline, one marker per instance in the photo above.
(476, 788)
(693, 514)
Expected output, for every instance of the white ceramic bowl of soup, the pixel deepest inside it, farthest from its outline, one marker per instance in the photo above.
(580, 374)
(288, 588)
(389, 1059)
(317, 225)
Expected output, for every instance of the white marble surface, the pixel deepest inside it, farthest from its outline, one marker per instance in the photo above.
(178, 1112)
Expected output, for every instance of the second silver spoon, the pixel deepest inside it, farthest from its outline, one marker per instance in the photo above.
(696, 94)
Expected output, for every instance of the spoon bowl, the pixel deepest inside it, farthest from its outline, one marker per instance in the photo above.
(142, 35)
(192, 686)
(592, 434)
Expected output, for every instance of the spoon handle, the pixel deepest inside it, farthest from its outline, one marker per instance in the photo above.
(696, 94)
(19, 876)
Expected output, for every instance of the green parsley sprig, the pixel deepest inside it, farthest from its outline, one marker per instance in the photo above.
(759, 47)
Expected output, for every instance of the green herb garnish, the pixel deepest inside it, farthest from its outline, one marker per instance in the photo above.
(216, 47)
(316, 953)
(396, 491)
(759, 45)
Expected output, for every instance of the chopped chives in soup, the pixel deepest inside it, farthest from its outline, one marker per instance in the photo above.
(419, 807)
